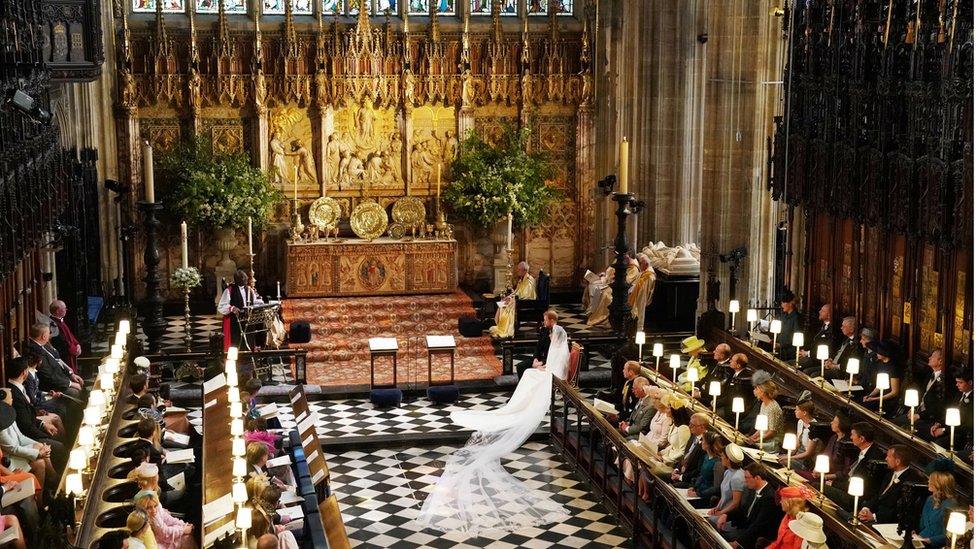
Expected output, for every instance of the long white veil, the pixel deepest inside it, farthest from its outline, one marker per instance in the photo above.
(475, 493)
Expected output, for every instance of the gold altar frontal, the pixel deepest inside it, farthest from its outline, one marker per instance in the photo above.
(384, 266)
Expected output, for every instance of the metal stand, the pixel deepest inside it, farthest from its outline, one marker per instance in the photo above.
(619, 309)
(155, 325)
(187, 336)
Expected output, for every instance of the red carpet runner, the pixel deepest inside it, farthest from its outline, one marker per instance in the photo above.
(338, 354)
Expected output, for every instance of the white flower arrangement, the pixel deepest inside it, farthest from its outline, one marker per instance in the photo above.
(186, 278)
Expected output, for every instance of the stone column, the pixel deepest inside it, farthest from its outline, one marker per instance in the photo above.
(326, 120)
(261, 136)
(586, 178)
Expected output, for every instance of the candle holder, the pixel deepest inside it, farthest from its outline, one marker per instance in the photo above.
(155, 324)
(297, 228)
(254, 281)
(619, 308)
(187, 335)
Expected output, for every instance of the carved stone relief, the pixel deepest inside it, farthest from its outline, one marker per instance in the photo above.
(290, 159)
(364, 150)
(434, 143)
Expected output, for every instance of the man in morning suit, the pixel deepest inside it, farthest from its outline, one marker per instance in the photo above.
(549, 319)
(790, 319)
(26, 415)
(758, 515)
(849, 347)
(629, 399)
(883, 507)
(53, 373)
(689, 467)
(932, 398)
(862, 435)
(827, 335)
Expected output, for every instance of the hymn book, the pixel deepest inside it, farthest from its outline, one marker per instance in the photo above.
(22, 491)
(604, 407)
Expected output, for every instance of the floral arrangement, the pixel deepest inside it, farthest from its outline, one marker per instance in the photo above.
(215, 190)
(492, 180)
(185, 278)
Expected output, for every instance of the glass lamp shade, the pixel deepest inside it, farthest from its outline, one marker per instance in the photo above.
(853, 366)
(237, 427)
(232, 378)
(776, 326)
(86, 436)
(675, 361)
(106, 381)
(752, 315)
(822, 465)
(640, 338)
(953, 419)
(230, 366)
(93, 416)
(762, 422)
(236, 409)
(883, 382)
(244, 518)
(78, 459)
(856, 487)
(120, 339)
(798, 339)
(239, 493)
(112, 365)
(738, 405)
(734, 306)
(658, 350)
(232, 353)
(911, 397)
(789, 441)
(73, 484)
(823, 352)
(240, 467)
(233, 395)
(957, 523)
(96, 398)
(124, 326)
(692, 374)
(116, 352)
(238, 447)
(715, 389)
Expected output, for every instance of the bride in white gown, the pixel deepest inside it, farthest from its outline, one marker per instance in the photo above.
(475, 492)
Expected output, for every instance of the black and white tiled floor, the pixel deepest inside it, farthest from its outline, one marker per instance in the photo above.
(380, 494)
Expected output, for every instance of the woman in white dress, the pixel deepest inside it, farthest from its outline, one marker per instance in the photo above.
(475, 493)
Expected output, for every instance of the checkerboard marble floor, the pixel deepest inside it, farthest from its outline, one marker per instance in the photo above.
(380, 494)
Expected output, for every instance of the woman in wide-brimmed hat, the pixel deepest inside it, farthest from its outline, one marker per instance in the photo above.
(733, 483)
(809, 528)
(793, 500)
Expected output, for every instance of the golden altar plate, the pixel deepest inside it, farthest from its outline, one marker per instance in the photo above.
(382, 266)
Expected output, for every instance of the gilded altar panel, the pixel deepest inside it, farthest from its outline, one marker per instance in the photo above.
(291, 161)
(490, 121)
(927, 312)
(162, 133)
(226, 135)
(961, 332)
(434, 143)
(364, 150)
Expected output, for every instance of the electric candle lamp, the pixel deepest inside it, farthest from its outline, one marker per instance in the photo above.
(232, 353)
(675, 364)
(78, 459)
(112, 365)
(116, 352)
(244, 518)
(762, 425)
(120, 339)
(96, 398)
(738, 406)
(106, 382)
(956, 526)
(239, 467)
(733, 308)
(953, 420)
(911, 400)
(239, 493)
(658, 352)
(230, 366)
(692, 377)
(853, 367)
(855, 488)
(237, 427)
(775, 328)
(883, 383)
(86, 436)
(238, 447)
(232, 378)
(236, 409)
(798, 342)
(640, 338)
(92, 416)
(73, 484)
(789, 444)
(715, 391)
(822, 466)
(124, 326)
(233, 396)
(823, 353)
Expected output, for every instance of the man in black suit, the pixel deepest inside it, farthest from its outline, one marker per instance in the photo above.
(862, 435)
(848, 348)
(790, 319)
(628, 399)
(53, 373)
(827, 335)
(939, 433)
(26, 415)
(758, 515)
(883, 507)
(549, 319)
(737, 384)
(933, 396)
(689, 467)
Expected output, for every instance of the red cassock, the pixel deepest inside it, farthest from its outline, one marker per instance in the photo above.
(69, 338)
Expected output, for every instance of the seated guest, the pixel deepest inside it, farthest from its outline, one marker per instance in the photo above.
(267, 541)
(266, 520)
(10, 478)
(835, 448)
(886, 363)
(772, 438)
(757, 515)
(688, 467)
(140, 530)
(549, 320)
(10, 522)
(694, 347)
(27, 416)
(169, 531)
(598, 311)
(883, 506)
(708, 485)
(793, 501)
(640, 419)
(932, 398)
(660, 426)
(806, 448)
(143, 398)
(862, 435)
(827, 335)
(146, 475)
(939, 433)
(663, 462)
(869, 360)
(718, 367)
(525, 288)
(257, 431)
(249, 395)
(628, 400)
(50, 407)
(738, 383)
(25, 454)
(53, 373)
(847, 348)
(639, 296)
(256, 455)
(115, 539)
(790, 319)
(942, 486)
(809, 528)
(67, 345)
(733, 483)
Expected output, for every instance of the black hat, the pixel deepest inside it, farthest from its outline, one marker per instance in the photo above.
(7, 414)
(883, 348)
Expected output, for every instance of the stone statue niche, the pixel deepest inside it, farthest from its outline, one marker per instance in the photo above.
(364, 150)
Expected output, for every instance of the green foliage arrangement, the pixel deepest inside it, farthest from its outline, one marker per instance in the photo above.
(215, 190)
(492, 180)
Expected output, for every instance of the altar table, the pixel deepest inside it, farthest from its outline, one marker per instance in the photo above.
(384, 266)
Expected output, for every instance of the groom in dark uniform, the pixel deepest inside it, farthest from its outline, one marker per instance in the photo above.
(549, 319)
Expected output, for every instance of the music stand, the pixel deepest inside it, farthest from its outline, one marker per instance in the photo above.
(442, 345)
(382, 347)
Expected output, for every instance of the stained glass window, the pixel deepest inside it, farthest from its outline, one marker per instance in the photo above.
(213, 6)
(419, 7)
(149, 6)
(541, 7)
(330, 7)
(483, 7)
(277, 7)
(383, 5)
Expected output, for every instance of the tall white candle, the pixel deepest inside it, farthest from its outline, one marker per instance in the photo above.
(186, 255)
(147, 172)
(250, 241)
(508, 245)
(279, 290)
(624, 161)
(296, 182)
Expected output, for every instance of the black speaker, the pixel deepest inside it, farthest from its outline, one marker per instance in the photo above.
(443, 394)
(299, 331)
(471, 326)
(386, 398)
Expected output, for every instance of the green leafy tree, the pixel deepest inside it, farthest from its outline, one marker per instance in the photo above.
(215, 190)
(492, 180)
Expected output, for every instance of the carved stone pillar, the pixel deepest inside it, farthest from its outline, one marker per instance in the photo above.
(326, 120)
(586, 178)
(261, 136)
(130, 160)
(465, 121)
